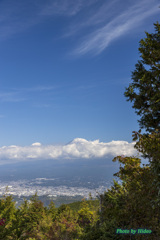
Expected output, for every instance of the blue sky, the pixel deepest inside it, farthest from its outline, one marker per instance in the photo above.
(64, 66)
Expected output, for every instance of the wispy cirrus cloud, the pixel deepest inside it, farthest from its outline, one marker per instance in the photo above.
(93, 23)
(11, 97)
(19, 16)
(77, 149)
(23, 94)
(93, 17)
(66, 7)
(122, 23)
(42, 95)
(61, 7)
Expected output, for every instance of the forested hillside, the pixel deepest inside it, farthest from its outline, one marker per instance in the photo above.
(130, 210)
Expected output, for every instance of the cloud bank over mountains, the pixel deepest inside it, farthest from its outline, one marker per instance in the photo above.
(78, 148)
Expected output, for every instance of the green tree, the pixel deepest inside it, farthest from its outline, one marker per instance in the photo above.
(52, 211)
(140, 192)
(129, 204)
(32, 220)
(65, 226)
(86, 216)
(144, 91)
(8, 213)
(136, 202)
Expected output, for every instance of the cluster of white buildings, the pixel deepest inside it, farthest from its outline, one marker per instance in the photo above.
(28, 188)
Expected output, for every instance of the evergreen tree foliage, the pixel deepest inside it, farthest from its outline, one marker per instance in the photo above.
(136, 202)
(7, 216)
(144, 91)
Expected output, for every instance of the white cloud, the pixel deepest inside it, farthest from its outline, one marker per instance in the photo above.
(36, 144)
(78, 148)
